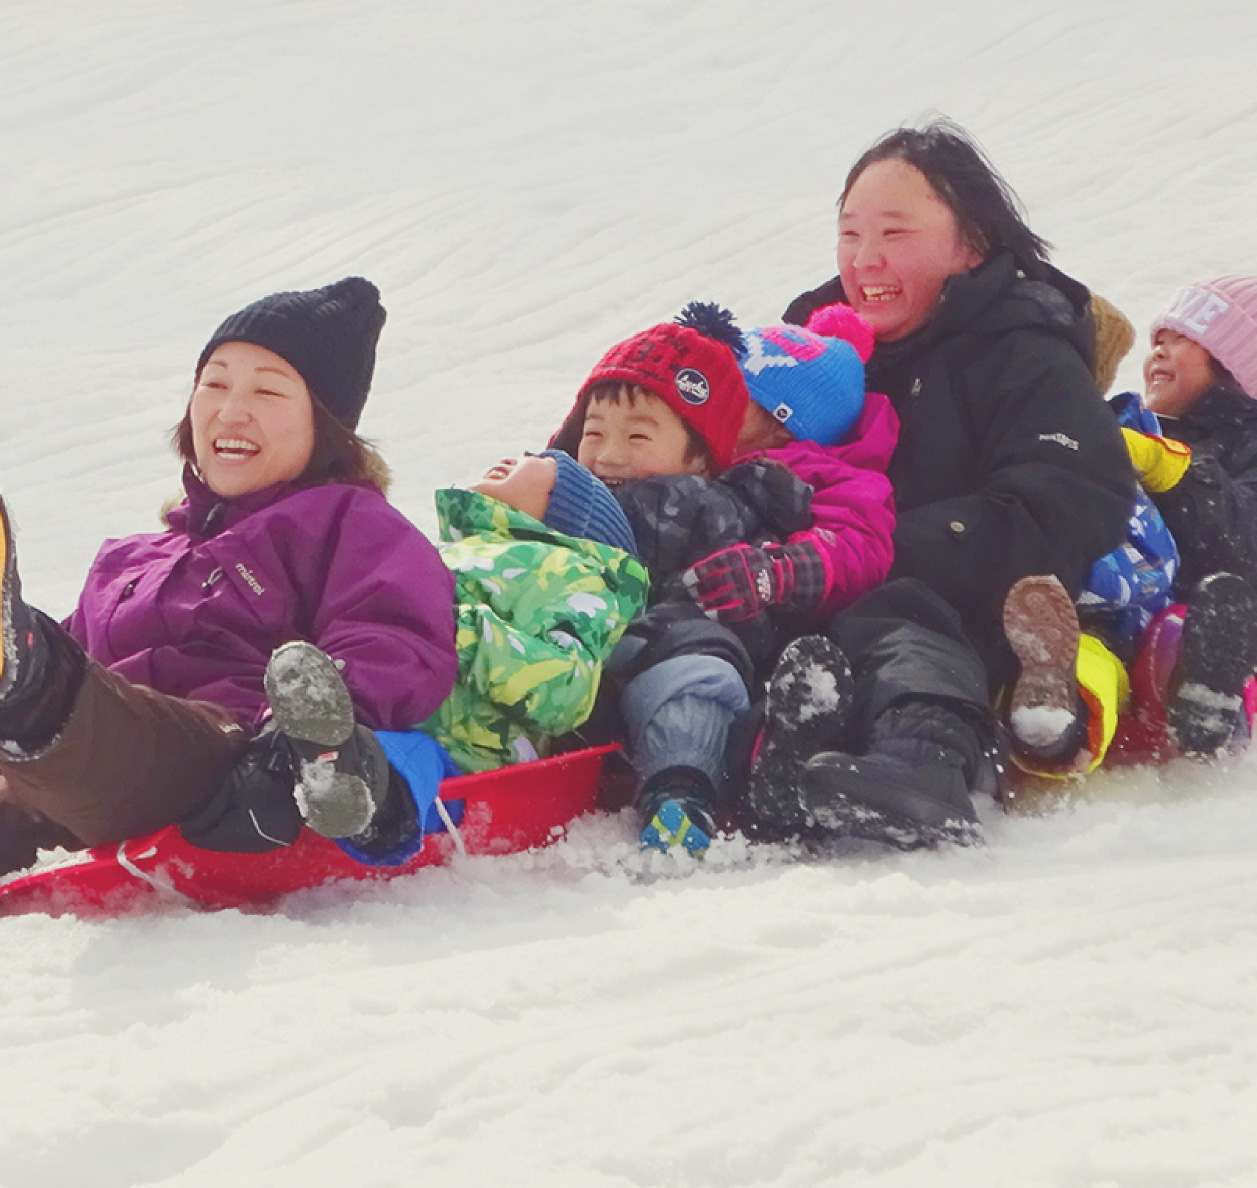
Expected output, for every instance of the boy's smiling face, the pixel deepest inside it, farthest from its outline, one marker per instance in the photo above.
(635, 437)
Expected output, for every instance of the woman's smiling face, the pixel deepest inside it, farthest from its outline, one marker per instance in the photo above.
(898, 242)
(252, 420)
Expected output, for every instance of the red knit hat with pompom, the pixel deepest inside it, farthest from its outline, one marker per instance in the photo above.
(691, 364)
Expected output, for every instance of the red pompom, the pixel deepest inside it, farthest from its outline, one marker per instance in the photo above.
(841, 321)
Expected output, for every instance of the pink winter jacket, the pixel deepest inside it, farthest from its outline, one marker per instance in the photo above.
(853, 505)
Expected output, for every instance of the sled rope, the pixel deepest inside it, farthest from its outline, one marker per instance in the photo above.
(443, 813)
(161, 885)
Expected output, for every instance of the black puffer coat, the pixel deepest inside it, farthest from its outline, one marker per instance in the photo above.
(1009, 463)
(1212, 510)
(680, 519)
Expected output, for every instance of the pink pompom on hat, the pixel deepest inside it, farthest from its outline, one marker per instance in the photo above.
(1220, 314)
(841, 321)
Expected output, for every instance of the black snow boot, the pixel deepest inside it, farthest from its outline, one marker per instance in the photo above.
(17, 624)
(340, 772)
(1217, 656)
(809, 699)
(910, 789)
(41, 665)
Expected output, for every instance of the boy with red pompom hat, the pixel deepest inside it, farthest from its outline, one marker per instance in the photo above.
(658, 421)
(798, 522)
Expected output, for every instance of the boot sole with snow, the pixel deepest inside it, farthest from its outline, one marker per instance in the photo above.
(1216, 657)
(308, 697)
(311, 706)
(844, 798)
(1041, 626)
(808, 703)
(334, 804)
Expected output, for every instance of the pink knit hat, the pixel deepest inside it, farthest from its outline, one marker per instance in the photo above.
(1220, 315)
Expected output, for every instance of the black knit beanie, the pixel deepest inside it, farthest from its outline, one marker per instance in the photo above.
(327, 334)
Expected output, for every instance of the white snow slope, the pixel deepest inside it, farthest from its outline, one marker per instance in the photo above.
(528, 182)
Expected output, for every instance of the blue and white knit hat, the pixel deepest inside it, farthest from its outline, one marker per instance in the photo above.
(581, 505)
(814, 385)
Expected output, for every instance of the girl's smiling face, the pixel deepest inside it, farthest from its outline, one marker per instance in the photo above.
(252, 420)
(1177, 372)
(898, 241)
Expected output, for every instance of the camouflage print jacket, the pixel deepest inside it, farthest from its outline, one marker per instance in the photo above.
(537, 614)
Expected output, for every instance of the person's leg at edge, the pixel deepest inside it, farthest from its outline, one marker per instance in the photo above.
(125, 762)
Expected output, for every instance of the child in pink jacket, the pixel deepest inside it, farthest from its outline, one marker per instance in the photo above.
(810, 413)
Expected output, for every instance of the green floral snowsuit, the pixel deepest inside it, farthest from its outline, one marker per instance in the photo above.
(538, 613)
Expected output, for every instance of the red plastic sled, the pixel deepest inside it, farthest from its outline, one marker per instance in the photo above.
(504, 811)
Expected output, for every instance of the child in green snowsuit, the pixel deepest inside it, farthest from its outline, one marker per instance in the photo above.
(546, 579)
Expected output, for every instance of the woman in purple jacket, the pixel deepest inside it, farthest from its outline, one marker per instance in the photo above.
(142, 707)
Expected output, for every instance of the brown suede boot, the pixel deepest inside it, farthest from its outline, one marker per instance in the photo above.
(1041, 626)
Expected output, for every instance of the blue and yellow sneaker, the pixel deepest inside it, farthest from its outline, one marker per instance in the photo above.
(676, 803)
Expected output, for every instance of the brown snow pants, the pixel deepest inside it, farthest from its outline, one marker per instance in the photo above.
(128, 761)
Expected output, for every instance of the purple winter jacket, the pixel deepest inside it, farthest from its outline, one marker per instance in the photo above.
(196, 611)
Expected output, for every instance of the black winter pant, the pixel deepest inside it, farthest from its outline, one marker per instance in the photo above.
(126, 761)
(904, 641)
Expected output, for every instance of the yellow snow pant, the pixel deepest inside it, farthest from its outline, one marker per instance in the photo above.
(1105, 688)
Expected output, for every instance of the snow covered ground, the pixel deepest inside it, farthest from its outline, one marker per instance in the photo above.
(1071, 1007)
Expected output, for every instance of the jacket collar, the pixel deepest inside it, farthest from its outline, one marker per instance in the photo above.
(997, 297)
(204, 513)
(1221, 406)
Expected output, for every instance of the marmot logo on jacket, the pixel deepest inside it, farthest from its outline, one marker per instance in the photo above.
(1061, 439)
(254, 584)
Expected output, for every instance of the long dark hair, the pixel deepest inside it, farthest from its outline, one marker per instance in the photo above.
(339, 456)
(989, 215)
